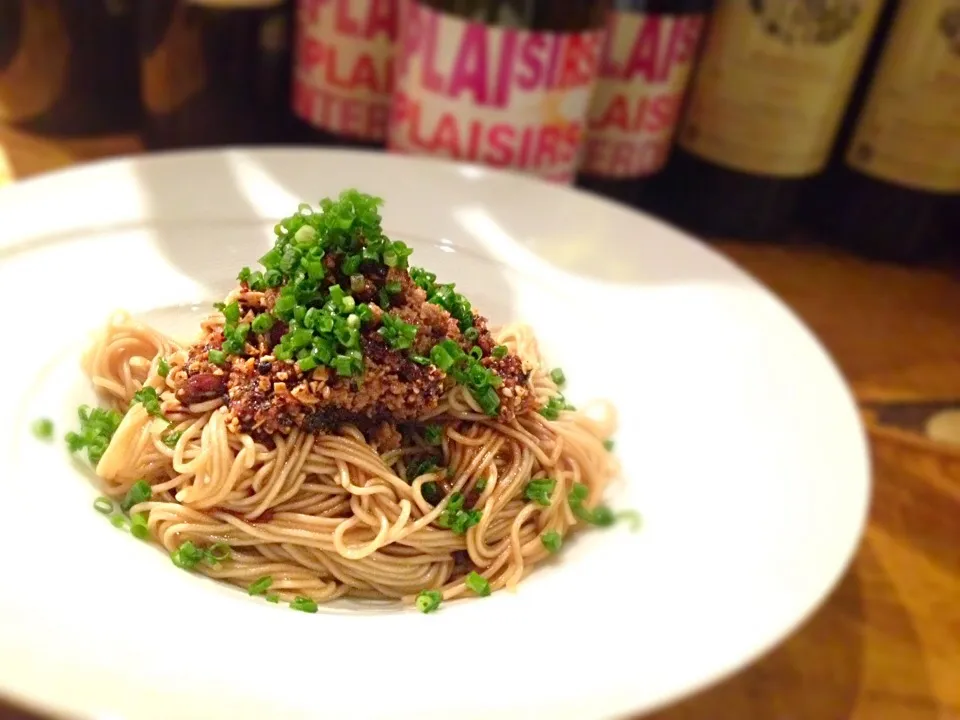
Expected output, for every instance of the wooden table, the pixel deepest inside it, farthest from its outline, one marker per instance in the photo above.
(886, 645)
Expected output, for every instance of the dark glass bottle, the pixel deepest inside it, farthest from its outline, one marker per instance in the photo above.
(505, 83)
(214, 72)
(895, 179)
(343, 71)
(68, 68)
(650, 50)
(763, 112)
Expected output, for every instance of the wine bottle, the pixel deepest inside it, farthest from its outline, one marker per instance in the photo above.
(68, 68)
(343, 70)
(763, 112)
(895, 181)
(646, 63)
(214, 72)
(505, 83)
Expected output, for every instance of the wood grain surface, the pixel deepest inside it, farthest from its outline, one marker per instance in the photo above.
(886, 644)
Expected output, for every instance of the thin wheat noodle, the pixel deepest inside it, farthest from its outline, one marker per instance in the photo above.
(328, 516)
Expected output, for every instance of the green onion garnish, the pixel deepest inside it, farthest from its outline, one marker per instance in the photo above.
(97, 427)
(551, 541)
(139, 492)
(272, 598)
(428, 600)
(601, 516)
(118, 521)
(43, 428)
(304, 604)
(217, 357)
(608, 445)
(632, 517)
(103, 505)
(171, 439)
(433, 434)
(540, 491)
(500, 351)
(148, 397)
(218, 552)
(163, 367)
(138, 526)
(478, 583)
(558, 377)
(187, 556)
(262, 323)
(260, 585)
(455, 518)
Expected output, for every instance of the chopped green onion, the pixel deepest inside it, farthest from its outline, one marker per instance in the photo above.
(187, 556)
(103, 505)
(558, 377)
(433, 434)
(632, 517)
(489, 401)
(260, 585)
(428, 600)
(306, 364)
(138, 526)
(219, 552)
(171, 439)
(601, 516)
(231, 313)
(481, 485)
(540, 491)
(163, 367)
(500, 351)
(393, 287)
(551, 411)
(471, 334)
(262, 323)
(398, 334)
(478, 583)
(304, 604)
(272, 598)
(148, 397)
(551, 541)
(608, 445)
(455, 518)
(441, 358)
(139, 492)
(217, 357)
(97, 427)
(43, 429)
(357, 283)
(118, 521)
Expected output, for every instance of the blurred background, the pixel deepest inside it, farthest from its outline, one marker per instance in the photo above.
(784, 121)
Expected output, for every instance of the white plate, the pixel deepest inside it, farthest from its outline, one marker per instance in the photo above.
(741, 447)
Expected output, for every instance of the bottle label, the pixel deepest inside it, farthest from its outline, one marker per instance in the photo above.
(501, 96)
(343, 66)
(908, 132)
(773, 83)
(644, 69)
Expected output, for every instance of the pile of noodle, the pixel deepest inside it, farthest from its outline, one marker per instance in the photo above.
(327, 515)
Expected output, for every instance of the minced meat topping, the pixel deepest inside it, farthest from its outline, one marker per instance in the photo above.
(337, 328)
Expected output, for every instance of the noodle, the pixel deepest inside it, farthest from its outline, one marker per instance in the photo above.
(375, 442)
(327, 515)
